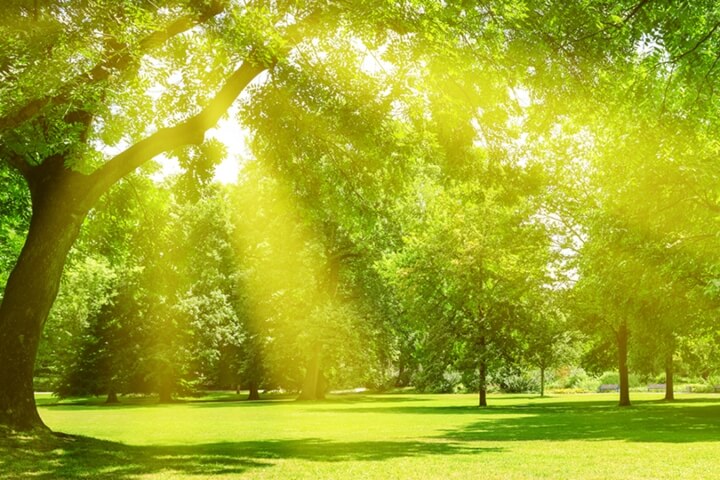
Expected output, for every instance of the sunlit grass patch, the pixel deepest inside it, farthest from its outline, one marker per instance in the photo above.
(376, 437)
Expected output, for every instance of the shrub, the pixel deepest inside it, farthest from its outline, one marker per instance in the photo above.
(610, 378)
(520, 382)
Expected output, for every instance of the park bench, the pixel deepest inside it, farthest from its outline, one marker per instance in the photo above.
(609, 387)
(656, 386)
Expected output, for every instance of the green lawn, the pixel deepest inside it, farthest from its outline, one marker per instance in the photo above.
(378, 437)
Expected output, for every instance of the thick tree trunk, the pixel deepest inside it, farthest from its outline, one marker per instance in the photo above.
(254, 391)
(622, 339)
(669, 387)
(29, 294)
(542, 381)
(165, 394)
(314, 385)
(112, 397)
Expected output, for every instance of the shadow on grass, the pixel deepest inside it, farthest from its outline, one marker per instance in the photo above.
(240, 400)
(648, 422)
(51, 457)
(651, 421)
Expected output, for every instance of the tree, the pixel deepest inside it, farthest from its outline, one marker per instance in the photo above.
(465, 271)
(548, 337)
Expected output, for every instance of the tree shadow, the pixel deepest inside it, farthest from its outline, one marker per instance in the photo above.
(652, 421)
(649, 422)
(50, 457)
(98, 403)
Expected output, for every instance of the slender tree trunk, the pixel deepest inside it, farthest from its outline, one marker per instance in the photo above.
(400, 380)
(542, 381)
(482, 374)
(622, 339)
(482, 391)
(669, 387)
(29, 294)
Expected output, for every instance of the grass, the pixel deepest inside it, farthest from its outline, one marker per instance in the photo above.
(375, 437)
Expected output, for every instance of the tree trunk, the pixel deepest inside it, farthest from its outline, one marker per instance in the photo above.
(320, 386)
(482, 395)
(254, 391)
(165, 390)
(112, 397)
(165, 396)
(400, 380)
(312, 388)
(622, 339)
(669, 387)
(482, 374)
(29, 294)
(542, 381)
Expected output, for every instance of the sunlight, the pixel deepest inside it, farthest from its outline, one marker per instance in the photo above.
(291, 279)
(234, 136)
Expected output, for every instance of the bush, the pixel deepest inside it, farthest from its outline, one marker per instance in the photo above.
(451, 381)
(573, 380)
(521, 382)
(634, 380)
(610, 378)
(700, 387)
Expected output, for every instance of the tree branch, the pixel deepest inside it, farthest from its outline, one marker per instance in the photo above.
(118, 60)
(702, 40)
(191, 131)
(635, 10)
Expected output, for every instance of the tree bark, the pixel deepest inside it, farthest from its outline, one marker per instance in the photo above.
(112, 397)
(254, 391)
(542, 381)
(400, 379)
(669, 387)
(482, 374)
(29, 294)
(482, 390)
(313, 387)
(165, 393)
(622, 339)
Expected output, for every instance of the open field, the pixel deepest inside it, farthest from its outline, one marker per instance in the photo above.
(377, 437)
